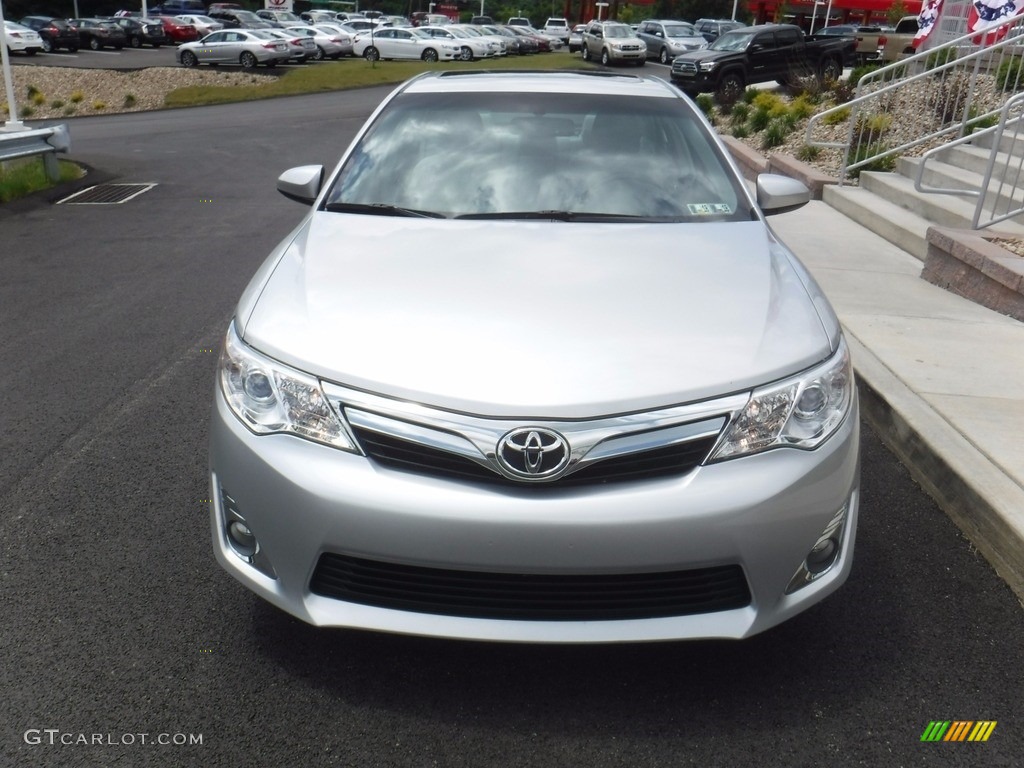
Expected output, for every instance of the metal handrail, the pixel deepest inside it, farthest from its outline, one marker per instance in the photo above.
(36, 141)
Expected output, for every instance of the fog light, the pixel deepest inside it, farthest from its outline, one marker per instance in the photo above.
(823, 554)
(241, 539)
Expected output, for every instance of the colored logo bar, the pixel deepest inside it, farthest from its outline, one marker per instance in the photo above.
(958, 730)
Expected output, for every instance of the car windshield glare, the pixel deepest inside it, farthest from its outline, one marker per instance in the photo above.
(617, 31)
(732, 41)
(680, 30)
(573, 156)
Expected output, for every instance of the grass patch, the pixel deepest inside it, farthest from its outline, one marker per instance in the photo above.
(22, 177)
(354, 73)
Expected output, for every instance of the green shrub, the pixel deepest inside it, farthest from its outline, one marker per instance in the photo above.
(740, 130)
(706, 103)
(38, 99)
(858, 72)
(129, 100)
(887, 163)
(750, 94)
(98, 105)
(759, 119)
(32, 91)
(940, 57)
(837, 117)
(27, 111)
(740, 112)
(76, 97)
(1008, 75)
(807, 153)
(801, 107)
(57, 103)
(776, 132)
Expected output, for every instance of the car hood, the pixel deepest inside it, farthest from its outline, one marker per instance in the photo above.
(535, 319)
(707, 55)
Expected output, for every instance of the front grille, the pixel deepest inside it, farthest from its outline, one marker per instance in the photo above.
(684, 67)
(550, 597)
(665, 461)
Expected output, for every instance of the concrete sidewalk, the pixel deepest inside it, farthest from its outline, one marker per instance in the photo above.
(941, 378)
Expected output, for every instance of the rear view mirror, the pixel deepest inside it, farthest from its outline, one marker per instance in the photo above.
(301, 184)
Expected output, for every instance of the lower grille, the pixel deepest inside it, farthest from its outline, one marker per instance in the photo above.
(666, 461)
(550, 597)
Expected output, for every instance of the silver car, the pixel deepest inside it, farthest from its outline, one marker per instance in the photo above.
(667, 39)
(493, 387)
(247, 47)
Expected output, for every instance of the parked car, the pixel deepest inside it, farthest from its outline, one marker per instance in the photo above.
(402, 43)
(666, 39)
(557, 27)
(96, 34)
(870, 41)
(177, 8)
(281, 18)
(481, 21)
(315, 16)
(575, 41)
(239, 19)
(752, 55)
(204, 24)
(515, 44)
(179, 31)
(712, 29)
(329, 44)
(302, 48)
(519, 21)
(543, 44)
(900, 42)
(472, 48)
(55, 33)
(675, 456)
(22, 39)
(612, 42)
(142, 31)
(246, 47)
(499, 42)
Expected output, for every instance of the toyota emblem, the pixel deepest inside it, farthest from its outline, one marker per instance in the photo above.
(533, 453)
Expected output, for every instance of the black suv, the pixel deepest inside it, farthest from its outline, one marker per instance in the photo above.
(143, 31)
(56, 33)
(710, 29)
(239, 19)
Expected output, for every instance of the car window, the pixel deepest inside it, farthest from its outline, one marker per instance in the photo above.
(680, 30)
(732, 41)
(581, 154)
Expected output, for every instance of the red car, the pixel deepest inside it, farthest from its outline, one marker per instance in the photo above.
(179, 31)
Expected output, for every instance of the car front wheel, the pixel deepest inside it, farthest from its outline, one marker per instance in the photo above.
(663, 56)
(467, 53)
(586, 53)
(248, 60)
(831, 70)
(188, 59)
(47, 46)
(730, 88)
(371, 54)
(135, 41)
(320, 54)
(429, 55)
(94, 44)
(605, 58)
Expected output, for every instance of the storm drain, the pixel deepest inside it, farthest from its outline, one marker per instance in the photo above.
(107, 194)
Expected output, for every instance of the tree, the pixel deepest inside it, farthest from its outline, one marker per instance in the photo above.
(896, 12)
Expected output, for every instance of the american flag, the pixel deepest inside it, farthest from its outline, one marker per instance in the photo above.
(984, 13)
(926, 20)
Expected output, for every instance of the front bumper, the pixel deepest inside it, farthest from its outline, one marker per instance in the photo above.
(302, 500)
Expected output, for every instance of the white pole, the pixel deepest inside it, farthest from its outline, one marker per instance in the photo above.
(828, 12)
(13, 123)
(734, 4)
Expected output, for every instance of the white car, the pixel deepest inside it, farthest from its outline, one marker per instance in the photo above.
(329, 45)
(557, 27)
(21, 39)
(204, 24)
(401, 43)
(473, 30)
(247, 47)
(472, 48)
(302, 48)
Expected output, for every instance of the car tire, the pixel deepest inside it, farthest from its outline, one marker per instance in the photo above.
(28, 51)
(320, 54)
(641, 62)
(831, 70)
(467, 53)
(72, 49)
(664, 58)
(135, 41)
(248, 60)
(605, 58)
(586, 53)
(47, 46)
(371, 54)
(429, 55)
(188, 59)
(730, 88)
(157, 45)
(94, 44)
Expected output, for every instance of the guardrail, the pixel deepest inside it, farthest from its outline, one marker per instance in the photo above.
(36, 141)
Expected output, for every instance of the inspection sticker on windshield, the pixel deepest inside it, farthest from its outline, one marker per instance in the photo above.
(708, 209)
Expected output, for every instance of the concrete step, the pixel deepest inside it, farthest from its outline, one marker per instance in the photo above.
(1012, 141)
(1003, 196)
(953, 211)
(886, 219)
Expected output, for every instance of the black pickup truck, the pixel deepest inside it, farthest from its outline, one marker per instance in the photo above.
(742, 57)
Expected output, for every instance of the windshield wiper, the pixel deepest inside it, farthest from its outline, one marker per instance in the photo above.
(381, 209)
(554, 216)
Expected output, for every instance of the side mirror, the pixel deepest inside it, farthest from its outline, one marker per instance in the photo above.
(780, 194)
(301, 184)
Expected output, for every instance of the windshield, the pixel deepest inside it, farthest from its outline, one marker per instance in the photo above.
(732, 41)
(680, 30)
(539, 155)
(618, 31)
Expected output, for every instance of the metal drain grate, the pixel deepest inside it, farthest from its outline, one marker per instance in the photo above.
(107, 194)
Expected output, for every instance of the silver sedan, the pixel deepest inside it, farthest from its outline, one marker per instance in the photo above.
(495, 387)
(247, 47)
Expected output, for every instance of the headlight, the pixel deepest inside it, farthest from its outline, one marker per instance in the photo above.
(707, 66)
(801, 412)
(271, 398)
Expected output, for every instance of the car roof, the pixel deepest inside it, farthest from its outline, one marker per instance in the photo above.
(566, 81)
